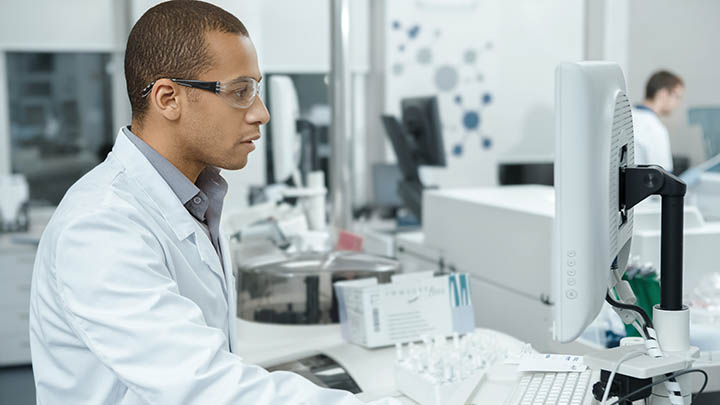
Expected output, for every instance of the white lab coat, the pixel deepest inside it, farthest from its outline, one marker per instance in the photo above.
(130, 303)
(652, 141)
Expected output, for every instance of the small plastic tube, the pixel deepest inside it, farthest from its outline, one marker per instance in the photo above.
(428, 343)
(417, 365)
(447, 372)
(479, 362)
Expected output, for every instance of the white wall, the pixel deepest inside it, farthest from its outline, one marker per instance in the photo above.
(78, 25)
(606, 31)
(533, 38)
(680, 36)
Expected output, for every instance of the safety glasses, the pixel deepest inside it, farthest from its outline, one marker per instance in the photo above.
(238, 93)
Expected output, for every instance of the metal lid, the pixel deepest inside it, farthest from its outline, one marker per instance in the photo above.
(332, 262)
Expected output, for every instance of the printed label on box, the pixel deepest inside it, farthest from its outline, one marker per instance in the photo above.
(375, 315)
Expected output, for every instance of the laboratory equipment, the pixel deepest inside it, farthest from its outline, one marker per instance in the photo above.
(597, 186)
(385, 178)
(293, 140)
(442, 372)
(321, 369)
(297, 288)
(14, 196)
(286, 147)
(528, 170)
(502, 237)
(415, 255)
(416, 141)
(285, 141)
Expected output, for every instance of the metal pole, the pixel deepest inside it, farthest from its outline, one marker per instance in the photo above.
(671, 253)
(340, 104)
(5, 135)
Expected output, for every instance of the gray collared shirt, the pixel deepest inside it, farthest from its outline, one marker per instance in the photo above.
(203, 200)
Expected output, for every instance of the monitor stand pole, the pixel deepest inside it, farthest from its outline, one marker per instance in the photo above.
(671, 318)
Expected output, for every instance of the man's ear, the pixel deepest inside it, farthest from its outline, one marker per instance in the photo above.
(165, 97)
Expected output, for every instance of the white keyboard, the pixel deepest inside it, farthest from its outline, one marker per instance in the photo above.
(552, 388)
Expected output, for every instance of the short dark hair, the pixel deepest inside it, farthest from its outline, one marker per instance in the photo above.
(661, 80)
(169, 41)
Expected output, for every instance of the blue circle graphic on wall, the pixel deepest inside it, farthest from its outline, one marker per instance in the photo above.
(471, 120)
(446, 78)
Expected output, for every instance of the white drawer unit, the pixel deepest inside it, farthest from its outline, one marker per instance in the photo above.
(15, 277)
(17, 256)
(15, 346)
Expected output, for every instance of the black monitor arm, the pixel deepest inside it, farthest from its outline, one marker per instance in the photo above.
(638, 183)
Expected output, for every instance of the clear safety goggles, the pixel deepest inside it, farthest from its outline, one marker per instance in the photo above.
(238, 93)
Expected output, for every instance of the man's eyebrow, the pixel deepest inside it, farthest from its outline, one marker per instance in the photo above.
(257, 79)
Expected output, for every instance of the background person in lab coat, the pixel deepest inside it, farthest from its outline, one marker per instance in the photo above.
(133, 298)
(652, 140)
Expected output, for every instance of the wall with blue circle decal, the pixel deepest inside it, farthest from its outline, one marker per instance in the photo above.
(491, 68)
(451, 57)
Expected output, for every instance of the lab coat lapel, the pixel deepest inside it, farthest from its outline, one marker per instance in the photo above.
(231, 291)
(150, 181)
(208, 255)
(166, 202)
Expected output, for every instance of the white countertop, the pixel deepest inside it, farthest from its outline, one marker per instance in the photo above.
(372, 369)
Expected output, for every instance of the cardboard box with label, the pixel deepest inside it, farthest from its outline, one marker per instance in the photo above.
(375, 315)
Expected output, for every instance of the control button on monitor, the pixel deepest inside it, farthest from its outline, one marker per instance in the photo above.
(571, 253)
(571, 262)
(572, 294)
(571, 272)
(571, 281)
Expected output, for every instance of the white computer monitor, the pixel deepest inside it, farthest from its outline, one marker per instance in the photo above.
(284, 138)
(594, 139)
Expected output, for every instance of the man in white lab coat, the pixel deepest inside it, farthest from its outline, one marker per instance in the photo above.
(652, 140)
(133, 298)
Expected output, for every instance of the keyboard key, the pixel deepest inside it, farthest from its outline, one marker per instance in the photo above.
(551, 388)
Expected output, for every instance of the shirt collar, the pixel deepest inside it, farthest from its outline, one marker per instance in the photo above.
(180, 185)
(643, 107)
(193, 196)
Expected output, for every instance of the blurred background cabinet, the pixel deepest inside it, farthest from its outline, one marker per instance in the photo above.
(17, 255)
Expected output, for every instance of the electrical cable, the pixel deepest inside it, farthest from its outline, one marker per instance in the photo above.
(651, 344)
(645, 316)
(665, 379)
(627, 356)
(639, 329)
